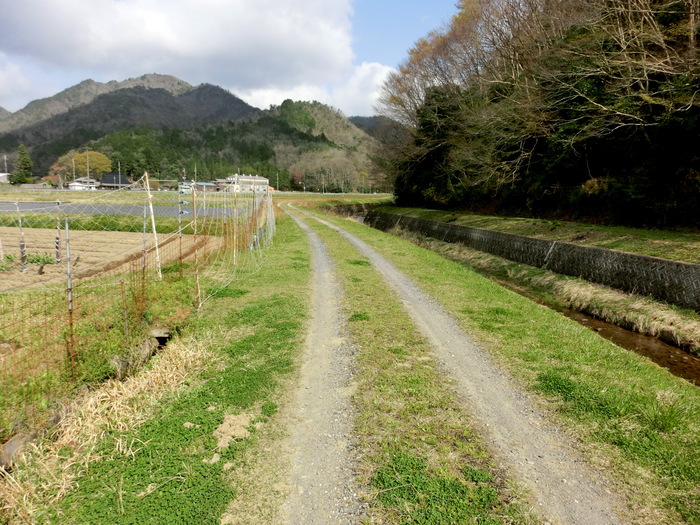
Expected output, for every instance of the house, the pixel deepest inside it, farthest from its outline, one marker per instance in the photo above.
(206, 186)
(83, 184)
(114, 181)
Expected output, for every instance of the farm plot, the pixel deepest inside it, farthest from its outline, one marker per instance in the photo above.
(92, 253)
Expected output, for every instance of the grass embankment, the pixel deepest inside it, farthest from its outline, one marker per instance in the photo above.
(157, 446)
(675, 325)
(421, 459)
(107, 338)
(635, 420)
(668, 244)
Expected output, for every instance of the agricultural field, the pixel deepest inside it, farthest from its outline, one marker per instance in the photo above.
(92, 253)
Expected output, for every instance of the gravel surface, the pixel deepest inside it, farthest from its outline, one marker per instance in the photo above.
(321, 483)
(564, 490)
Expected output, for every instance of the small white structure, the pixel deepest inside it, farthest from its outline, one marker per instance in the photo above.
(83, 184)
(4, 178)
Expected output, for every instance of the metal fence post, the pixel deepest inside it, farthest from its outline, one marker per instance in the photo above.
(69, 292)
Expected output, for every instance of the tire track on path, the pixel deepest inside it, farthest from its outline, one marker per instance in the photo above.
(563, 488)
(321, 482)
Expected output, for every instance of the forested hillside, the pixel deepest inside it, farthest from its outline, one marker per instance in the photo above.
(160, 124)
(578, 108)
(123, 109)
(303, 145)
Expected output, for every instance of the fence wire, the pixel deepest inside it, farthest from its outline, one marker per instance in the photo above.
(84, 280)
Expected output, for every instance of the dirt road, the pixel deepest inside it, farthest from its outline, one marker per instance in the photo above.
(320, 483)
(533, 451)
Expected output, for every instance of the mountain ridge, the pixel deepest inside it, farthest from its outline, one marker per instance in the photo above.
(122, 109)
(162, 125)
(84, 93)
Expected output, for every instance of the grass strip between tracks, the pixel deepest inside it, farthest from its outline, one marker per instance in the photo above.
(635, 420)
(421, 460)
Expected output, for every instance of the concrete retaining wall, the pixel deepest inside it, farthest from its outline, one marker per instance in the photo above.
(671, 281)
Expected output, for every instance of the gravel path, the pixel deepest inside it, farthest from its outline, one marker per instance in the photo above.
(321, 482)
(535, 452)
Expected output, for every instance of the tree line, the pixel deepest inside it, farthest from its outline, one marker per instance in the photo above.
(575, 108)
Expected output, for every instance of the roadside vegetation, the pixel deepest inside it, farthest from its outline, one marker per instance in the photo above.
(675, 244)
(674, 325)
(170, 443)
(156, 447)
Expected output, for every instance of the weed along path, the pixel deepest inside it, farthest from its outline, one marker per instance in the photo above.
(320, 482)
(534, 452)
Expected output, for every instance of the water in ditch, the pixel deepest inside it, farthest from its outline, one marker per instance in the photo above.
(677, 361)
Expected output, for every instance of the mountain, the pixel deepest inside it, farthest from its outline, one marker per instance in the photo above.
(4, 113)
(321, 120)
(162, 125)
(372, 125)
(82, 94)
(123, 109)
(381, 128)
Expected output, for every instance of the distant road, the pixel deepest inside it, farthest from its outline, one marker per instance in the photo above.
(107, 209)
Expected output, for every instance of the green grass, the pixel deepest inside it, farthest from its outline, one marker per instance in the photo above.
(629, 412)
(405, 482)
(40, 258)
(117, 223)
(104, 344)
(167, 480)
(421, 458)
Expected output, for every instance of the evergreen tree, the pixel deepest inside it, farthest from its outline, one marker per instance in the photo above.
(23, 167)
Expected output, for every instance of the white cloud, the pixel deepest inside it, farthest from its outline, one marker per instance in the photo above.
(358, 95)
(266, 97)
(251, 42)
(14, 84)
(355, 94)
(263, 50)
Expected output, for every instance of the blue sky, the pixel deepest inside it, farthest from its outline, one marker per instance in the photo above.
(264, 51)
(383, 30)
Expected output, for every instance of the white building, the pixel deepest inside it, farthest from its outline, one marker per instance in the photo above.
(244, 183)
(83, 184)
(4, 178)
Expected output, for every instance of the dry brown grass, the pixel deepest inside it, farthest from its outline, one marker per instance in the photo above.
(45, 470)
(92, 253)
(637, 313)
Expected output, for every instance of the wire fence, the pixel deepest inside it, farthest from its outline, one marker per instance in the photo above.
(84, 283)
